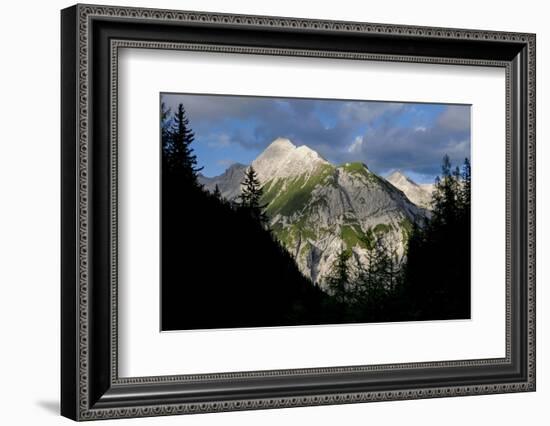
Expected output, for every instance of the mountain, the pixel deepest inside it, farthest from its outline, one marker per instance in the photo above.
(229, 183)
(421, 195)
(429, 187)
(282, 159)
(316, 208)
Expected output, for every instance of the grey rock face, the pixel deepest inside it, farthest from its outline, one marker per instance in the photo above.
(340, 207)
(421, 195)
(229, 182)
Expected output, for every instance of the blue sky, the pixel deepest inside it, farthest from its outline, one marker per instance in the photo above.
(386, 136)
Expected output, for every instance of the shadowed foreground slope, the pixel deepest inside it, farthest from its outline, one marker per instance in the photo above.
(222, 269)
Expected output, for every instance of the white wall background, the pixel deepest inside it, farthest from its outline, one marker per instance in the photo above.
(29, 211)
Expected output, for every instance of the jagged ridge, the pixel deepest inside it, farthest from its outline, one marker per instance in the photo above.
(421, 195)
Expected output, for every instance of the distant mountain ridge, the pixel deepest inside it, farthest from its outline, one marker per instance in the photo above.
(229, 182)
(421, 195)
(316, 208)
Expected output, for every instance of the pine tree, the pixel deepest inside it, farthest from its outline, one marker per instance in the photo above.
(165, 124)
(466, 188)
(165, 121)
(375, 283)
(251, 194)
(438, 258)
(177, 150)
(393, 271)
(445, 196)
(338, 281)
(380, 269)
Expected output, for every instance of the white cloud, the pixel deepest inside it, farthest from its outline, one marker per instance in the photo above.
(356, 145)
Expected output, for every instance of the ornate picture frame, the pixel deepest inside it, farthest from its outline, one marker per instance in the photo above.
(91, 39)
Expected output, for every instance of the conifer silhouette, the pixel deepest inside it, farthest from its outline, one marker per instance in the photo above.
(178, 154)
(251, 194)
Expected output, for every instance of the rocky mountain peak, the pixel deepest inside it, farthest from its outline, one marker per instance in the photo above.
(229, 183)
(282, 159)
(236, 166)
(281, 144)
(399, 176)
(420, 195)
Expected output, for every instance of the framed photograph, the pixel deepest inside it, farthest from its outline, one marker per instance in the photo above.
(263, 212)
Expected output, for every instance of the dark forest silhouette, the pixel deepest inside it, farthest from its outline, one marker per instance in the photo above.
(222, 267)
(433, 282)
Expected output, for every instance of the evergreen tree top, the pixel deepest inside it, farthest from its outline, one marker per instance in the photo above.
(177, 137)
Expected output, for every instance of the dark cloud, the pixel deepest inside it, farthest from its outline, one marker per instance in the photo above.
(366, 112)
(202, 108)
(419, 150)
(455, 118)
(384, 135)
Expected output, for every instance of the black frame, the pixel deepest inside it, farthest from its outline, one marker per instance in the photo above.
(90, 386)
